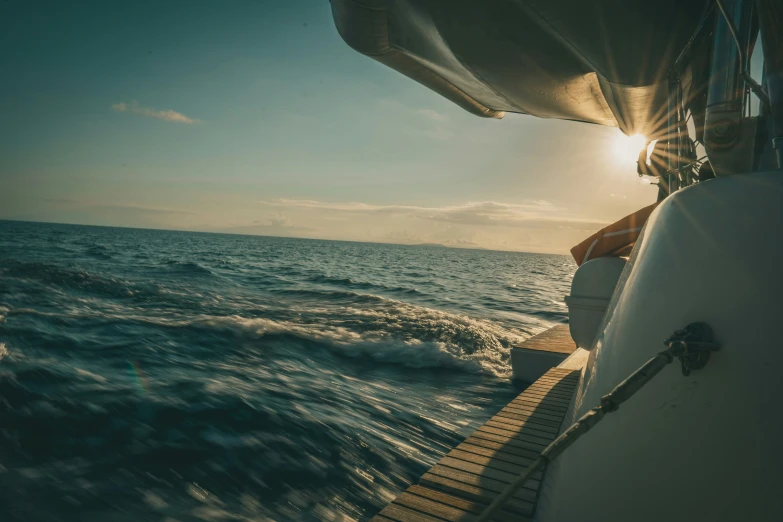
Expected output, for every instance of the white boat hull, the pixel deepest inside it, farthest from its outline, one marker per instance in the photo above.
(707, 446)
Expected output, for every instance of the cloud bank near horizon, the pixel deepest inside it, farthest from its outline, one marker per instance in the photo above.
(528, 226)
(529, 214)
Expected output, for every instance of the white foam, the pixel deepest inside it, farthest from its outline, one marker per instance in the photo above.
(91, 375)
(394, 332)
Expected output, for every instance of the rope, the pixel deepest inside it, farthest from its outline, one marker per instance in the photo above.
(692, 346)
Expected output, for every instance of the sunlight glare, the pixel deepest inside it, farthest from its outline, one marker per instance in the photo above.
(626, 148)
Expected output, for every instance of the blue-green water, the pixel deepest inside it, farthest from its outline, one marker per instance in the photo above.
(155, 375)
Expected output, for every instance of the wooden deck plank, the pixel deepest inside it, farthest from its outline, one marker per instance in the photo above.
(494, 462)
(534, 416)
(554, 379)
(474, 473)
(536, 449)
(433, 508)
(558, 377)
(557, 391)
(519, 427)
(399, 513)
(467, 451)
(547, 397)
(553, 392)
(530, 442)
(536, 395)
(493, 449)
(464, 505)
(494, 487)
(489, 483)
(489, 443)
(557, 340)
(522, 426)
(521, 418)
(540, 403)
(475, 493)
(550, 395)
(484, 471)
(542, 417)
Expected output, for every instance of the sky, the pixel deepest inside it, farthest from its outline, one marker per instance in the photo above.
(255, 117)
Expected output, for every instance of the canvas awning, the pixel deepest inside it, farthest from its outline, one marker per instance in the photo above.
(600, 62)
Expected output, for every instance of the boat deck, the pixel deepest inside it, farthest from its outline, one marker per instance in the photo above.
(555, 340)
(533, 357)
(466, 480)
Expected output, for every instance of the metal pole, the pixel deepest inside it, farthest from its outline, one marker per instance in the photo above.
(770, 15)
(672, 137)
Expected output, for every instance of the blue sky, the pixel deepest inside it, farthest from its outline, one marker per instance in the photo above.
(255, 117)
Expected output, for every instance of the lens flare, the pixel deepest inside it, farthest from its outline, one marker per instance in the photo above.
(139, 377)
(626, 148)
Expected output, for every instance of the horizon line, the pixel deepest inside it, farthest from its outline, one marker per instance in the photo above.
(424, 244)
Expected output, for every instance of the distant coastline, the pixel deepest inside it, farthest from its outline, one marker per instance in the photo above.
(235, 233)
(440, 245)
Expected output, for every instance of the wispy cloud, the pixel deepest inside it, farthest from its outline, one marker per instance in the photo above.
(275, 225)
(119, 207)
(167, 114)
(431, 114)
(529, 214)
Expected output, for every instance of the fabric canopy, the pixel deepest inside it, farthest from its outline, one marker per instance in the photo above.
(603, 62)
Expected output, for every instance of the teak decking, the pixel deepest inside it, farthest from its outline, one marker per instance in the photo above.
(555, 340)
(465, 481)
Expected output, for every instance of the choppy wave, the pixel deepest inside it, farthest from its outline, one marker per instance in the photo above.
(187, 267)
(70, 278)
(99, 252)
(347, 282)
(152, 374)
(397, 333)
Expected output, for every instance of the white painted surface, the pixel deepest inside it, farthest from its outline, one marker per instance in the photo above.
(708, 446)
(529, 365)
(575, 361)
(591, 289)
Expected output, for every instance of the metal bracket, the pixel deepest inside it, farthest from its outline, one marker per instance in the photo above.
(692, 346)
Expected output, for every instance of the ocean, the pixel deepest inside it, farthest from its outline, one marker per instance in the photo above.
(178, 376)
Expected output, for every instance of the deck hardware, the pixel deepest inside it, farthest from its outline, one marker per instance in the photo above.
(692, 346)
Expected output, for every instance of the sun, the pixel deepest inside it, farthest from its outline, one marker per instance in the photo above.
(626, 148)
